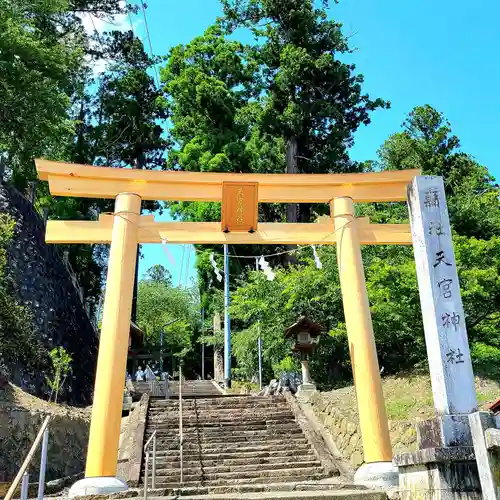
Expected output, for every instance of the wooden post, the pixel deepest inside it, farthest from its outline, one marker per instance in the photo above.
(450, 364)
(111, 365)
(218, 353)
(371, 406)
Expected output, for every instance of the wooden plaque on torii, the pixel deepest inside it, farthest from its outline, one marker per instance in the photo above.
(240, 206)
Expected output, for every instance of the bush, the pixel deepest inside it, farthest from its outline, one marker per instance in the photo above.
(486, 360)
(286, 365)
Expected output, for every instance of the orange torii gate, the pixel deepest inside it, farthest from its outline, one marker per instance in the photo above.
(240, 195)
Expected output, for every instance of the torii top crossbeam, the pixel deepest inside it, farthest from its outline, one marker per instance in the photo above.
(67, 179)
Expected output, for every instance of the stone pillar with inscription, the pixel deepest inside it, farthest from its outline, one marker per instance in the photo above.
(444, 466)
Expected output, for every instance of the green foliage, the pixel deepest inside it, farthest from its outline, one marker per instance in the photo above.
(7, 225)
(427, 142)
(287, 364)
(61, 366)
(158, 274)
(310, 94)
(238, 107)
(18, 339)
(38, 67)
(173, 311)
(486, 360)
(399, 409)
(390, 272)
(54, 104)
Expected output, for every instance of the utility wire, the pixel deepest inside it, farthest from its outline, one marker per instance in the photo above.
(130, 20)
(150, 44)
(182, 265)
(187, 268)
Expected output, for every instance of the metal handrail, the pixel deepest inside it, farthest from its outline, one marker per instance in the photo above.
(43, 433)
(181, 435)
(146, 466)
(166, 386)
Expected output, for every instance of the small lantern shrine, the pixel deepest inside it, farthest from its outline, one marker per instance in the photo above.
(305, 334)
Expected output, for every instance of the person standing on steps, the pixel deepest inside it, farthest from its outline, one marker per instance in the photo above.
(139, 375)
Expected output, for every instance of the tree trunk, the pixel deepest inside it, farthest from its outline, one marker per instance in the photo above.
(218, 364)
(292, 168)
(218, 351)
(292, 210)
(133, 316)
(139, 165)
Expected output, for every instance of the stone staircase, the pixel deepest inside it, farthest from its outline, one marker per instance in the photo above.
(231, 444)
(194, 389)
(190, 388)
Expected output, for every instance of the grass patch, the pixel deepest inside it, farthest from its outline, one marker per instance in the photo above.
(408, 396)
(400, 409)
(239, 387)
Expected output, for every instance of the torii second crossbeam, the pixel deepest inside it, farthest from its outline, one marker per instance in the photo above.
(205, 233)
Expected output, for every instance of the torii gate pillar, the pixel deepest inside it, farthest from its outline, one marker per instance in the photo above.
(102, 455)
(378, 468)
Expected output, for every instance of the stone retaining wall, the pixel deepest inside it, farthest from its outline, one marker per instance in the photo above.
(68, 436)
(40, 281)
(343, 424)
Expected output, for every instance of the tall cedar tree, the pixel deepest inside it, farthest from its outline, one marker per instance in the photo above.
(286, 103)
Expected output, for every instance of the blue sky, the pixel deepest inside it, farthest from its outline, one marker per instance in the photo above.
(444, 53)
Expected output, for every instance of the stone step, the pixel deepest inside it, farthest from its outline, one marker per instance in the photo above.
(244, 476)
(189, 406)
(223, 415)
(205, 470)
(226, 449)
(236, 453)
(173, 462)
(218, 401)
(226, 434)
(282, 488)
(232, 479)
(208, 432)
(235, 416)
(234, 441)
(263, 494)
(240, 397)
(218, 422)
(214, 410)
(234, 427)
(201, 403)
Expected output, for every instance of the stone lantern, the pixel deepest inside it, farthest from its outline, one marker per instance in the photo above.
(305, 334)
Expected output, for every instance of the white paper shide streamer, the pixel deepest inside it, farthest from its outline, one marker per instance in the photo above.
(266, 268)
(318, 263)
(167, 251)
(216, 269)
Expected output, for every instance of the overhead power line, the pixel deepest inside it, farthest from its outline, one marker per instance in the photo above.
(149, 40)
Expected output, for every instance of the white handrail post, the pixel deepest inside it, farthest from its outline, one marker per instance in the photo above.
(153, 474)
(146, 470)
(43, 464)
(27, 460)
(25, 486)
